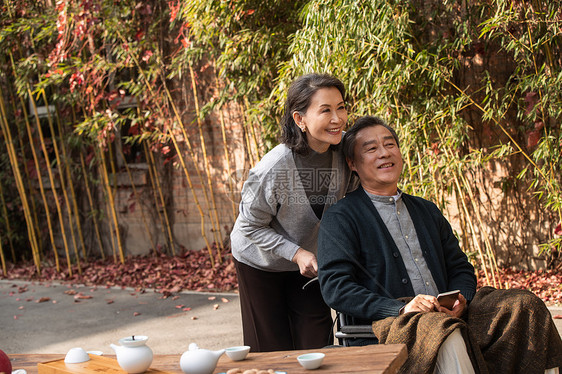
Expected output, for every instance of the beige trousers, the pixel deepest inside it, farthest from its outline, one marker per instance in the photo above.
(452, 357)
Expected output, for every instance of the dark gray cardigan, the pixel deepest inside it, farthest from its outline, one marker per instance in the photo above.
(361, 271)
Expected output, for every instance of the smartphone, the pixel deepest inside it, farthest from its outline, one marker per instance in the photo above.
(447, 299)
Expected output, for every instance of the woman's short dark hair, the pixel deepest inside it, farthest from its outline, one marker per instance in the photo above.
(351, 135)
(299, 97)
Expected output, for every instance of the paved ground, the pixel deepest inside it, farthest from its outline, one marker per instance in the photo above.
(43, 318)
(63, 321)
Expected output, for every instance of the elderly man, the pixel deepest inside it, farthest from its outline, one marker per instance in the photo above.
(384, 256)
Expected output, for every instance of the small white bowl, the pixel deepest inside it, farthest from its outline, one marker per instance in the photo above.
(237, 353)
(76, 355)
(311, 360)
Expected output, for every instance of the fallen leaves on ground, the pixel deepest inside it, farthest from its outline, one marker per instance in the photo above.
(191, 271)
(546, 284)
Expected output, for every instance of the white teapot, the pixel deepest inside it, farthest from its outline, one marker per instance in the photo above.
(133, 355)
(199, 361)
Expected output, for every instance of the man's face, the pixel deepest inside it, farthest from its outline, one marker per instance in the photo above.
(378, 161)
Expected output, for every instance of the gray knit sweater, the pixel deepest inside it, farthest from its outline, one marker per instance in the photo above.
(275, 216)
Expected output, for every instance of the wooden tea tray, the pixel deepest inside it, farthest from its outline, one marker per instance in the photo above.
(97, 364)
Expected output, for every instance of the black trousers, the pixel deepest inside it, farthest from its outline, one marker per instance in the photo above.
(278, 315)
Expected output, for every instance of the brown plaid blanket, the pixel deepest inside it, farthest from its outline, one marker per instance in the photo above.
(505, 331)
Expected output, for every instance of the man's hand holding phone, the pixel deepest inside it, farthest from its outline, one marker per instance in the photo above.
(451, 303)
(448, 299)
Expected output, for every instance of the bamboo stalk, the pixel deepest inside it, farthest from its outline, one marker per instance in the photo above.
(20, 185)
(247, 140)
(66, 167)
(8, 227)
(435, 187)
(491, 257)
(252, 129)
(548, 52)
(31, 189)
(459, 189)
(217, 232)
(188, 177)
(202, 216)
(112, 182)
(41, 188)
(62, 182)
(111, 202)
(227, 159)
(164, 208)
(473, 230)
(39, 176)
(226, 154)
(91, 202)
(151, 173)
(32, 197)
(52, 181)
(107, 212)
(462, 219)
(4, 269)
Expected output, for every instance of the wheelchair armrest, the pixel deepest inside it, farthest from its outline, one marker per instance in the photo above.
(357, 329)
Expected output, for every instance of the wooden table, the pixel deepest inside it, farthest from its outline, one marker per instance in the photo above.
(381, 358)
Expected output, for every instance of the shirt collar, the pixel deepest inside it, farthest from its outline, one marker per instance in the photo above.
(384, 199)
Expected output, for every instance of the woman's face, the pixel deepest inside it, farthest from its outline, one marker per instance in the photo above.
(324, 119)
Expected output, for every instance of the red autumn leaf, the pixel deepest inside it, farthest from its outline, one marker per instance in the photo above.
(136, 314)
(147, 55)
(558, 229)
(531, 99)
(533, 138)
(42, 299)
(80, 295)
(174, 8)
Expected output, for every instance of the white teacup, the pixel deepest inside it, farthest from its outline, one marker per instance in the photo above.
(311, 360)
(237, 353)
(76, 355)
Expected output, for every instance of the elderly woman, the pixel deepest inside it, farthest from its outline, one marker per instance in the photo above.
(274, 237)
